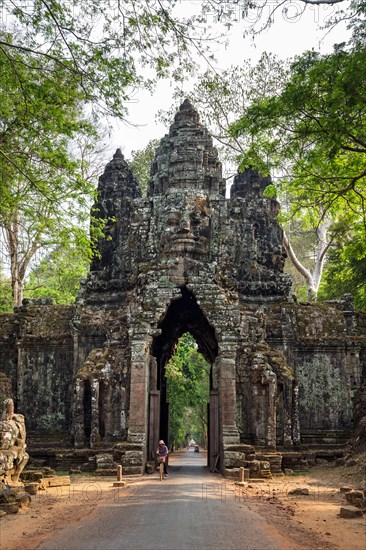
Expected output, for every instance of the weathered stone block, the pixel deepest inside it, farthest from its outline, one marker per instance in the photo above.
(350, 512)
(56, 481)
(31, 488)
(11, 500)
(299, 491)
(234, 459)
(355, 497)
(32, 475)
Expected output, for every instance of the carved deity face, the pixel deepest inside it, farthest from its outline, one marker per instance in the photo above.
(185, 226)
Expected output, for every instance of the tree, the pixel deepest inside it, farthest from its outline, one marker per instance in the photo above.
(188, 393)
(42, 183)
(258, 15)
(345, 271)
(5, 291)
(317, 127)
(315, 133)
(58, 275)
(140, 163)
(306, 248)
(107, 49)
(221, 97)
(56, 59)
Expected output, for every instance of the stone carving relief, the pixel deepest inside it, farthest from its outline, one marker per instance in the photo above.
(185, 226)
(13, 455)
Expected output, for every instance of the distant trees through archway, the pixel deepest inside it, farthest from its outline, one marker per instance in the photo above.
(188, 393)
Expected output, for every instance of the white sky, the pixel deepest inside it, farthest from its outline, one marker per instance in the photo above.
(285, 38)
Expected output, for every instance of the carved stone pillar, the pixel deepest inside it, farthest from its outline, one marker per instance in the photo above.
(138, 423)
(214, 432)
(228, 427)
(94, 436)
(78, 428)
(287, 414)
(271, 410)
(154, 423)
(295, 416)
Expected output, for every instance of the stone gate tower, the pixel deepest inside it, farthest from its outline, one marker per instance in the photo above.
(182, 259)
(185, 259)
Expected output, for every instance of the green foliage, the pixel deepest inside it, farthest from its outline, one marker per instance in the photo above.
(346, 267)
(107, 49)
(314, 134)
(45, 192)
(315, 131)
(59, 60)
(141, 161)
(188, 390)
(270, 191)
(6, 304)
(58, 275)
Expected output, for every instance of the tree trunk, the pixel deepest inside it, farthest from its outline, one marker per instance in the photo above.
(18, 261)
(321, 250)
(17, 289)
(306, 273)
(12, 234)
(312, 280)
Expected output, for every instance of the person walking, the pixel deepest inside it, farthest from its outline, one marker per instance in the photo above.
(162, 451)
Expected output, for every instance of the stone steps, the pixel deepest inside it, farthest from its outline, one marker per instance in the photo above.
(302, 460)
(325, 438)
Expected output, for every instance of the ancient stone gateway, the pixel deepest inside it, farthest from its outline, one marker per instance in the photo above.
(186, 259)
(183, 259)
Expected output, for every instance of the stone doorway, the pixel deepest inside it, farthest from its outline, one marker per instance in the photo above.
(183, 315)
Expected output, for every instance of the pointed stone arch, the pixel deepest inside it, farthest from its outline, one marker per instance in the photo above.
(182, 315)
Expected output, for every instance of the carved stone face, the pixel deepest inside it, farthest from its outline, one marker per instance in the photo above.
(185, 226)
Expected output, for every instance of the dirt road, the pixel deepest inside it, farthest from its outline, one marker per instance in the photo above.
(191, 509)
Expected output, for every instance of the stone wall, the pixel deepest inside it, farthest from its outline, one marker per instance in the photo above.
(326, 358)
(37, 355)
(326, 344)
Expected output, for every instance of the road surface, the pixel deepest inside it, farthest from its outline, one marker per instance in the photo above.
(191, 509)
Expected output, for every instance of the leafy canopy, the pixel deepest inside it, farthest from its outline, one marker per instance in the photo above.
(315, 131)
(346, 267)
(108, 48)
(141, 161)
(44, 185)
(58, 275)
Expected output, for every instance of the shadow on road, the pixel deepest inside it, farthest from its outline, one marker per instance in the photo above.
(188, 463)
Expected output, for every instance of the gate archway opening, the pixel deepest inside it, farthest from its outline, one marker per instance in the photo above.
(182, 316)
(187, 376)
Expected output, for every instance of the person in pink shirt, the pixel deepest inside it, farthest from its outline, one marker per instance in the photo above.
(162, 451)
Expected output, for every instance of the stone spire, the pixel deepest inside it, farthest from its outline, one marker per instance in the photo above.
(248, 183)
(187, 112)
(118, 179)
(186, 158)
(116, 190)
